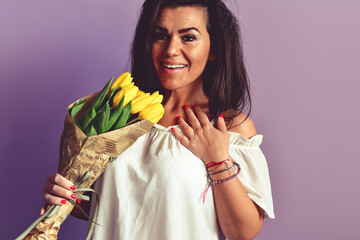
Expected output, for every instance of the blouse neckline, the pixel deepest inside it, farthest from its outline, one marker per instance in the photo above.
(234, 134)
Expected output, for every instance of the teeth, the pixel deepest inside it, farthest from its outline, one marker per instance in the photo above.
(174, 66)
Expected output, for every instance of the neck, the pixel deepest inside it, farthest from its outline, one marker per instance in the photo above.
(175, 100)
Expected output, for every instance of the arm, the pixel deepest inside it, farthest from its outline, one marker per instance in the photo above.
(239, 217)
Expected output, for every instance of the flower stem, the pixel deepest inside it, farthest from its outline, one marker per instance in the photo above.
(132, 121)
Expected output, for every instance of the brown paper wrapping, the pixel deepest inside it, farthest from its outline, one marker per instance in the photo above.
(78, 154)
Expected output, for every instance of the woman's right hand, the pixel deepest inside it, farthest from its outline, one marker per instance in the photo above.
(56, 190)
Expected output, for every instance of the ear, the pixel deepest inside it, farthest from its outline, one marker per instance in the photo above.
(212, 56)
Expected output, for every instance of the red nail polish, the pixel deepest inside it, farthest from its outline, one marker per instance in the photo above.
(72, 187)
(221, 115)
(195, 106)
(73, 196)
(172, 129)
(41, 213)
(78, 201)
(63, 201)
(178, 117)
(186, 107)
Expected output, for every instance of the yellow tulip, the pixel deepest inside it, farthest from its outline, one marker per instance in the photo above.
(139, 93)
(157, 98)
(152, 112)
(128, 91)
(140, 102)
(122, 81)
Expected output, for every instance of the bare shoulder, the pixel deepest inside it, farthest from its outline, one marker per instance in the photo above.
(242, 124)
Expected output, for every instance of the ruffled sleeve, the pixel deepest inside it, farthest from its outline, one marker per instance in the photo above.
(254, 174)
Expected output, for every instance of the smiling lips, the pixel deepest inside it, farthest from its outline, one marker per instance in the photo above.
(173, 66)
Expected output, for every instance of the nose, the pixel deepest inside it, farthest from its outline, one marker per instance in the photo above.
(173, 47)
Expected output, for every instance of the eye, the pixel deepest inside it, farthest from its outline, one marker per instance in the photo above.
(189, 38)
(158, 36)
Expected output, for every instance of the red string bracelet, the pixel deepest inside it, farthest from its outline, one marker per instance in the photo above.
(217, 164)
(212, 183)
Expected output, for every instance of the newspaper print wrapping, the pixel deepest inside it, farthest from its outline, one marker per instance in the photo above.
(78, 154)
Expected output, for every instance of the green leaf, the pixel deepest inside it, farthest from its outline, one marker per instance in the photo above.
(101, 96)
(89, 115)
(106, 117)
(78, 102)
(101, 119)
(77, 123)
(76, 109)
(113, 93)
(81, 101)
(115, 114)
(101, 109)
(90, 131)
(124, 116)
(97, 122)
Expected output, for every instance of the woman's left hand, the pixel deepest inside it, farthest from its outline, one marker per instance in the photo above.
(210, 144)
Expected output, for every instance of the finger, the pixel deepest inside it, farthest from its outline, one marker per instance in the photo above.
(59, 191)
(193, 120)
(221, 125)
(43, 208)
(61, 181)
(181, 137)
(54, 200)
(185, 128)
(203, 119)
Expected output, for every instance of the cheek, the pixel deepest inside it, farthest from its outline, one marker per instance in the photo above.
(200, 57)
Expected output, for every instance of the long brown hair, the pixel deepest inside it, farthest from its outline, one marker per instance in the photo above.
(225, 79)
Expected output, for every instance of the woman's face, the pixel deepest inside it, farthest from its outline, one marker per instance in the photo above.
(181, 47)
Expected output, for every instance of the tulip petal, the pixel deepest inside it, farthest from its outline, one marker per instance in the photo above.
(140, 103)
(152, 112)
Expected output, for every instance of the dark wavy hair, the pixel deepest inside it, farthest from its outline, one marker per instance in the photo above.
(225, 80)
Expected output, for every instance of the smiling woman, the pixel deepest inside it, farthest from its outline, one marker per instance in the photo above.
(181, 47)
(199, 173)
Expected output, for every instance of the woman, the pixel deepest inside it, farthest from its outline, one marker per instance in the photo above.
(157, 189)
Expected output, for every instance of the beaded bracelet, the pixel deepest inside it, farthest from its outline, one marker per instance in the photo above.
(212, 173)
(212, 183)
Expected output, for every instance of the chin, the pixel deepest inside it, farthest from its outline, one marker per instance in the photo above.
(169, 84)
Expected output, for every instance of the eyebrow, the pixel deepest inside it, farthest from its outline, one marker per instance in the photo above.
(180, 31)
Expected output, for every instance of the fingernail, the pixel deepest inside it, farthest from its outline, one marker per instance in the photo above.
(41, 213)
(73, 196)
(72, 187)
(195, 106)
(186, 107)
(172, 129)
(178, 117)
(221, 115)
(78, 201)
(63, 201)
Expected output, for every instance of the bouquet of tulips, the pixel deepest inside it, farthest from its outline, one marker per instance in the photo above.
(112, 107)
(97, 129)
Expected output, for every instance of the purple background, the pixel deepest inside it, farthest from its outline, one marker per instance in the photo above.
(303, 60)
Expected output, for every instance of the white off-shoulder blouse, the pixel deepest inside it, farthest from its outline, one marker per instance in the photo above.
(154, 190)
